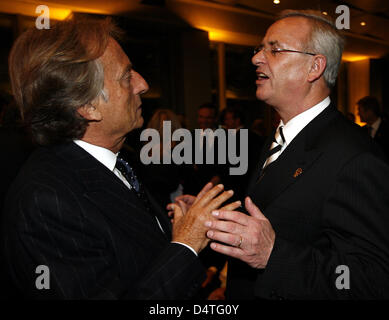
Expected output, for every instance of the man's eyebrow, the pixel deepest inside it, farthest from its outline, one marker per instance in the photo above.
(273, 43)
(126, 70)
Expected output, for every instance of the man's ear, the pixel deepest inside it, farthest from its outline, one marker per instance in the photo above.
(317, 68)
(90, 112)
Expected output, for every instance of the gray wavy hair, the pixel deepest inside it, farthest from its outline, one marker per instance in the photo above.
(56, 71)
(324, 39)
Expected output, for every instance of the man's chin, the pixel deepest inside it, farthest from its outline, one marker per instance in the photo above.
(260, 95)
(140, 123)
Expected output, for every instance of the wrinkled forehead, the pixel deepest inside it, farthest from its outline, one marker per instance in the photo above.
(114, 59)
(288, 31)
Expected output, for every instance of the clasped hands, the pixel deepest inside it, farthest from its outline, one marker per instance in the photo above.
(198, 220)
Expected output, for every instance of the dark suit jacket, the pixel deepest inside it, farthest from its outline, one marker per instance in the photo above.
(327, 198)
(382, 136)
(15, 147)
(69, 212)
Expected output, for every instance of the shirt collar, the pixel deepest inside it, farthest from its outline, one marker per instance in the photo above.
(103, 155)
(296, 124)
(376, 124)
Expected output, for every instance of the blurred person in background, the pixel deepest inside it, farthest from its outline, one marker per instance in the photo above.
(376, 126)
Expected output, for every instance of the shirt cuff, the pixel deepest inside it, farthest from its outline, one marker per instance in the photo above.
(189, 247)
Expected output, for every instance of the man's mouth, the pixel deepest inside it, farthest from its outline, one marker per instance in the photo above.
(261, 75)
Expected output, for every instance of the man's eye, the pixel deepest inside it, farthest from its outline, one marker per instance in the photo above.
(274, 51)
(127, 78)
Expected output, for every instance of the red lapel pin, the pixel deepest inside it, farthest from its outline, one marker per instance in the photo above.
(297, 172)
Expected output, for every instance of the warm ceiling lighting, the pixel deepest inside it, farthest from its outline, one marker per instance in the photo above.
(219, 35)
(325, 13)
(363, 23)
(276, 1)
(59, 13)
(353, 57)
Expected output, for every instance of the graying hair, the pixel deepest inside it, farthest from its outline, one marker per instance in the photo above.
(99, 78)
(54, 72)
(324, 39)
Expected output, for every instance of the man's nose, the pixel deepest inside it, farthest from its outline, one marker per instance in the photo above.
(141, 85)
(258, 58)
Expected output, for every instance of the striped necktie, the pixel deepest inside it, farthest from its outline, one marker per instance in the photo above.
(275, 148)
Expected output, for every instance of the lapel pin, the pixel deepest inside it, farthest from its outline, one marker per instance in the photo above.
(297, 172)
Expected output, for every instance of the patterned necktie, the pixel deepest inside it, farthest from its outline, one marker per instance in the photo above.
(275, 148)
(128, 173)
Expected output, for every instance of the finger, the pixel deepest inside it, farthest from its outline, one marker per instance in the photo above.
(220, 199)
(225, 226)
(178, 214)
(187, 198)
(232, 206)
(169, 206)
(253, 210)
(208, 196)
(203, 191)
(234, 216)
(230, 239)
(227, 250)
(182, 206)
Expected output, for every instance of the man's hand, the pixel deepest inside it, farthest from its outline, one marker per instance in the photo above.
(189, 228)
(248, 238)
(185, 201)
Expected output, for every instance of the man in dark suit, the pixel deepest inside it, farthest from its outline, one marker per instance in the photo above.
(318, 204)
(78, 224)
(204, 172)
(234, 120)
(377, 127)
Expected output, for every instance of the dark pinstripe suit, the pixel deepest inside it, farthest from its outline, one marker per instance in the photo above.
(327, 198)
(68, 211)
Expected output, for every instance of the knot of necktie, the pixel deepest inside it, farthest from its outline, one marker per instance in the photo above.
(276, 146)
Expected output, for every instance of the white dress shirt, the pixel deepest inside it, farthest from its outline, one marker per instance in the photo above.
(104, 156)
(292, 128)
(374, 127)
(108, 159)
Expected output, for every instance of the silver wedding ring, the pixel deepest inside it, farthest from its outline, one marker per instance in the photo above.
(240, 242)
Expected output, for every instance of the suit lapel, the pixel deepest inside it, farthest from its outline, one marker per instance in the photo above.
(160, 213)
(102, 187)
(262, 158)
(293, 163)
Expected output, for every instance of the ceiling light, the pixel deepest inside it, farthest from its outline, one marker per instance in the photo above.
(276, 1)
(363, 23)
